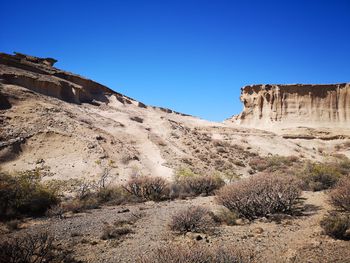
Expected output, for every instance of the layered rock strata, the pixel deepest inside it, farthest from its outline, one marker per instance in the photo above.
(297, 104)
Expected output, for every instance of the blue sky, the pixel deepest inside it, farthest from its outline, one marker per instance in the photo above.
(190, 56)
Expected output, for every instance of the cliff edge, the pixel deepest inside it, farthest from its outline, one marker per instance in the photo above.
(265, 106)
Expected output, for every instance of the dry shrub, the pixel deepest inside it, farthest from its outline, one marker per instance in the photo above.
(225, 216)
(336, 225)
(24, 194)
(192, 184)
(318, 176)
(272, 163)
(340, 195)
(79, 205)
(192, 219)
(114, 195)
(148, 188)
(32, 248)
(173, 253)
(260, 195)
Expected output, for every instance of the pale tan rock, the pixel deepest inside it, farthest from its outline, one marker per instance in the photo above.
(295, 104)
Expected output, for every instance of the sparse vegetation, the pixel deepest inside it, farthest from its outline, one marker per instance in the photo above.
(272, 163)
(336, 225)
(173, 253)
(340, 195)
(318, 176)
(193, 184)
(32, 249)
(192, 219)
(225, 216)
(114, 195)
(148, 188)
(24, 194)
(260, 195)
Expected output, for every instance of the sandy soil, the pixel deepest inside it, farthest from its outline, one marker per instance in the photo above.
(294, 239)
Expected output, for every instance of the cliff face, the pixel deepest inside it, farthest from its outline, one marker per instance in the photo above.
(39, 75)
(290, 105)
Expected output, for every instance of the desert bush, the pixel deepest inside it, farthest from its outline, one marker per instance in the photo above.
(192, 219)
(31, 249)
(24, 194)
(260, 195)
(336, 225)
(148, 188)
(272, 163)
(193, 184)
(79, 205)
(225, 216)
(343, 165)
(340, 195)
(173, 253)
(114, 195)
(318, 176)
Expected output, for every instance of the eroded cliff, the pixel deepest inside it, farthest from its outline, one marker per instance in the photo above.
(296, 104)
(39, 75)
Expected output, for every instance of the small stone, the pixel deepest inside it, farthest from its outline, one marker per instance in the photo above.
(259, 230)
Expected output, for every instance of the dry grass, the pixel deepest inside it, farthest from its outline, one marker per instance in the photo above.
(173, 253)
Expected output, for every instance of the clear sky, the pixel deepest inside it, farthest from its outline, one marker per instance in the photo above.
(187, 55)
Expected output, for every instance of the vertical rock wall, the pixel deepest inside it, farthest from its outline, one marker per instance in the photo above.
(290, 105)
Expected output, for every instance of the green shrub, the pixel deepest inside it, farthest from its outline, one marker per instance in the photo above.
(318, 176)
(260, 195)
(336, 225)
(192, 219)
(24, 194)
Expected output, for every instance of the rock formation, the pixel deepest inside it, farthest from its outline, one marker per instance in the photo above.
(39, 75)
(297, 104)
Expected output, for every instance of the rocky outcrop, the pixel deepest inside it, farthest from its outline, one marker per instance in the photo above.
(297, 104)
(39, 75)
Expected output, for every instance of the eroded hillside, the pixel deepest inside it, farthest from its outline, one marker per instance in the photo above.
(72, 127)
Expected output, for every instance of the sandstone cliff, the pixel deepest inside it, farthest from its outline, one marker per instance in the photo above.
(39, 75)
(298, 104)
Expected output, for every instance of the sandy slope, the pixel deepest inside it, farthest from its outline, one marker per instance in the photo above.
(81, 141)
